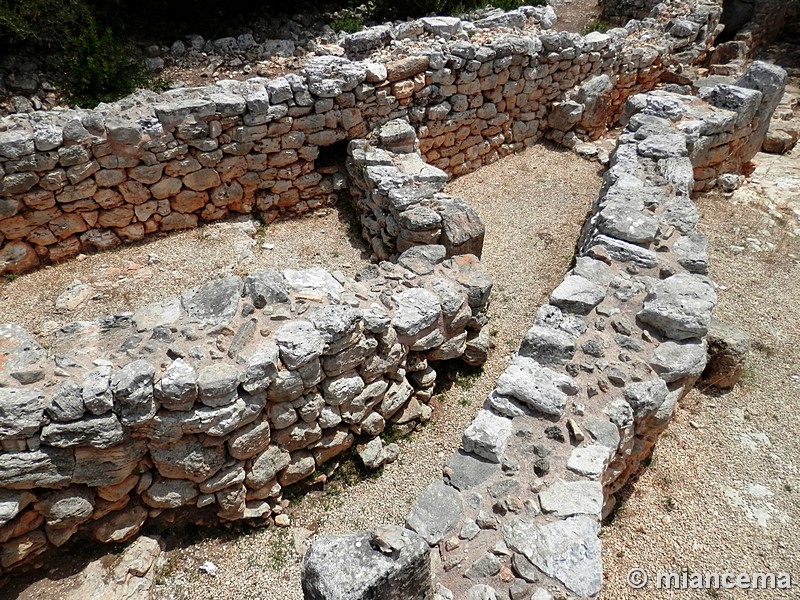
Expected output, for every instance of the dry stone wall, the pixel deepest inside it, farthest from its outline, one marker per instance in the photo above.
(223, 397)
(73, 181)
(400, 201)
(594, 383)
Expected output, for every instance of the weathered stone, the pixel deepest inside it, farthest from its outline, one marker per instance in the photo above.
(577, 294)
(487, 436)
(568, 498)
(265, 286)
(177, 388)
(354, 567)
(100, 432)
(417, 309)
(674, 361)
(188, 459)
(120, 526)
(21, 412)
(170, 493)
(266, 466)
(548, 346)
(262, 369)
(589, 461)
(214, 303)
(728, 347)
(66, 507)
(538, 387)
(217, 384)
(436, 513)
(567, 550)
(133, 393)
(464, 471)
(679, 306)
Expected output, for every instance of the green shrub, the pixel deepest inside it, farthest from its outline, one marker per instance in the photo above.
(42, 23)
(596, 25)
(347, 24)
(98, 67)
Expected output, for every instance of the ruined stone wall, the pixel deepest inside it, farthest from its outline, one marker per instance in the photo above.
(594, 383)
(76, 181)
(221, 398)
(400, 201)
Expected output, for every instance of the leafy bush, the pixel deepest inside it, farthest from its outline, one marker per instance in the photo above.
(98, 67)
(42, 23)
(596, 25)
(347, 24)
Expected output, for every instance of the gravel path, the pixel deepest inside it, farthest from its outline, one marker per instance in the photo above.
(722, 493)
(533, 205)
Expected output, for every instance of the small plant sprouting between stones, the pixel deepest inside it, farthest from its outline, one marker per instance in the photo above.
(279, 549)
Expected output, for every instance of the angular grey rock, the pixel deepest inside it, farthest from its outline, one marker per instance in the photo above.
(728, 347)
(334, 322)
(353, 567)
(422, 259)
(367, 40)
(266, 466)
(68, 507)
(594, 270)
(133, 393)
(674, 361)
(487, 565)
(565, 115)
(299, 343)
(538, 387)
(19, 354)
(567, 550)
(644, 397)
(577, 294)
(568, 498)
(463, 231)
(625, 251)
(628, 222)
(66, 403)
(215, 303)
(619, 413)
(46, 467)
(188, 459)
(217, 384)
(464, 471)
(442, 26)
(679, 306)
(341, 389)
(373, 454)
(437, 512)
(97, 395)
(663, 146)
(604, 432)
(21, 412)
(262, 369)
(315, 282)
(177, 388)
(590, 461)
(692, 252)
(154, 315)
(266, 286)
(170, 493)
(12, 503)
(99, 432)
(329, 76)
(481, 591)
(548, 346)
(487, 436)
(417, 309)
(595, 96)
(681, 213)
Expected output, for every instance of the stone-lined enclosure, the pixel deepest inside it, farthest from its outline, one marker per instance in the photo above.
(76, 181)
(592, 386)
(221, 397)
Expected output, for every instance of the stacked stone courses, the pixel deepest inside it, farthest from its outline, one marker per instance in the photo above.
(221, 398)
(594, 383)
(73, 181)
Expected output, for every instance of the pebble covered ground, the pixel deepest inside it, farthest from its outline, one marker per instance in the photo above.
(722, 492)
